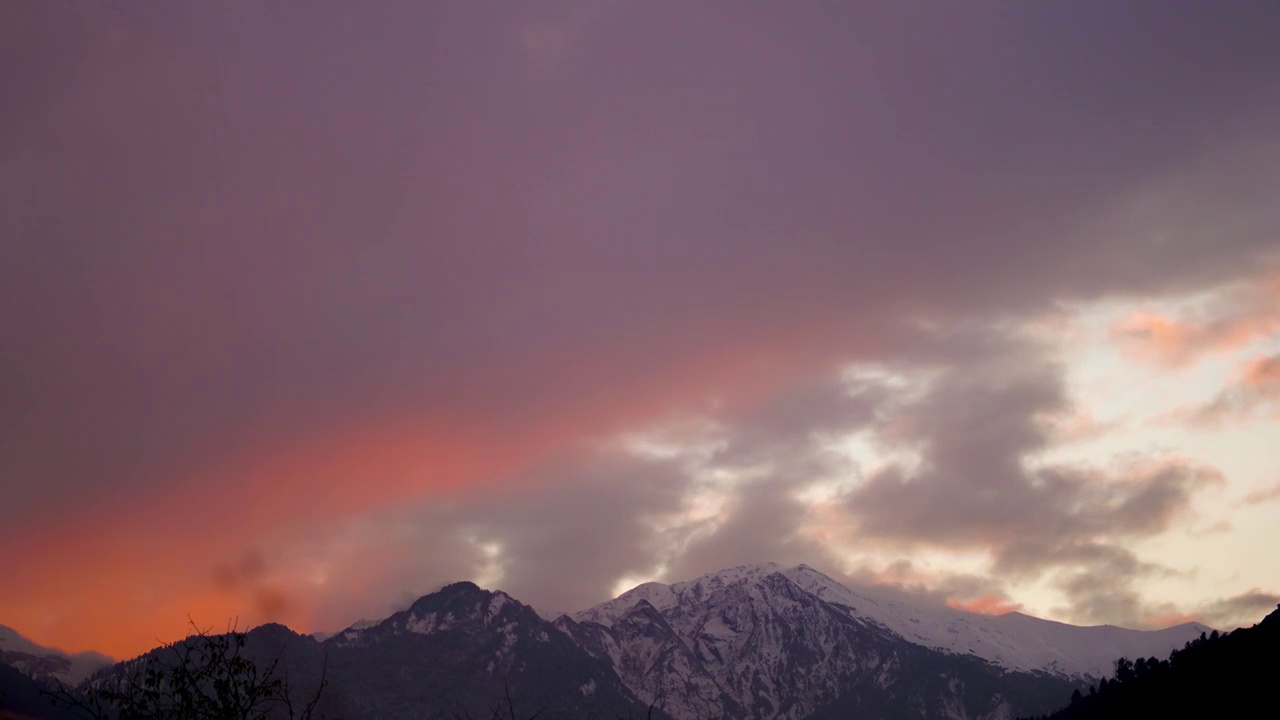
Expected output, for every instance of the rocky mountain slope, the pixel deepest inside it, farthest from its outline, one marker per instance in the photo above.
(458, 651)
(763, 641)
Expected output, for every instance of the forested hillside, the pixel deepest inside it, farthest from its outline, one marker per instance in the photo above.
(1231, 675)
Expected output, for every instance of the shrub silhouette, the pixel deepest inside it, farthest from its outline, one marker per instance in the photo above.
(204, 677)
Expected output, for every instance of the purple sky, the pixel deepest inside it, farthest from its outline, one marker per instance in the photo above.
(311, 307)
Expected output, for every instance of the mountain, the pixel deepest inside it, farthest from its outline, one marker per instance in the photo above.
(1230, 675)
(758, 642)
(22, 696)
(763, 641)
(42, 662)
(1014, 640)
(357, 625)
(460, 652)
(457, 651)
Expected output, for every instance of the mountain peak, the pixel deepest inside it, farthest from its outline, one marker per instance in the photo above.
(455, 592)
(1014, 641)
(462, 586)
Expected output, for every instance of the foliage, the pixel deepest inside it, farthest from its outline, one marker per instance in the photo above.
(1229, 675)
(205, 677)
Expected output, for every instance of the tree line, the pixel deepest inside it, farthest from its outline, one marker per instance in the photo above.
(1216, 675)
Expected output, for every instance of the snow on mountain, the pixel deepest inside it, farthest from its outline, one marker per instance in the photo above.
(764, 641)
(750, 642)
(357, 626)
(1015, 641)
(453, 652)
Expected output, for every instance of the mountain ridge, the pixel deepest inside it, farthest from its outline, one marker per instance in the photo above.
(753, 642)
(34, 659)
(1017, 641)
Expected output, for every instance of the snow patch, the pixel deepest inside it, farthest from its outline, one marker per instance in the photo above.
(429, 623)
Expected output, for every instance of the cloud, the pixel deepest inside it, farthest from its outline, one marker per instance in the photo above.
(978, 487)
(976, 429)
(1240, 610)
(559, 543)
(1235, 317)
(1229, 613)
(1255, 391)
(1221, 525)
(316, 283)
(989, 604)
(1267, 494)
(1105, 590)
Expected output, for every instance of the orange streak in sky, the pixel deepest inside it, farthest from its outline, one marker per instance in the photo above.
(989, 604)
(121, 576)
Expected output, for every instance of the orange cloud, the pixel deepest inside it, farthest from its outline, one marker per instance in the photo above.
(1177, 342)
(1263, 372)
(989, 604)
(1170, 619)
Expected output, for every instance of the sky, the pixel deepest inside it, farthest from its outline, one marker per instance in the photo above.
(310, 308)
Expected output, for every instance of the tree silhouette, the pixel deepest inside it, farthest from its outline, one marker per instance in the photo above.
(205, 677)
(1217, 675)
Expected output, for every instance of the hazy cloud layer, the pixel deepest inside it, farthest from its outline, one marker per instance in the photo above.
(1243, 609)
(269, 272)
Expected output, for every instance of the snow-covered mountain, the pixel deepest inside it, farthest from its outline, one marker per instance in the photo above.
(1015, 641)
(764, 641)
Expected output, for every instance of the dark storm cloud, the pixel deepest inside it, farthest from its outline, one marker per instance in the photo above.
(229, 230)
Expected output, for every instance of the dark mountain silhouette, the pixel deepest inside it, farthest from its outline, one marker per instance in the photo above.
(22, 696)
(1231, 675)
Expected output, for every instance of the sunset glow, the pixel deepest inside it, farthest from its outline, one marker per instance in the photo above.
(311, 310)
